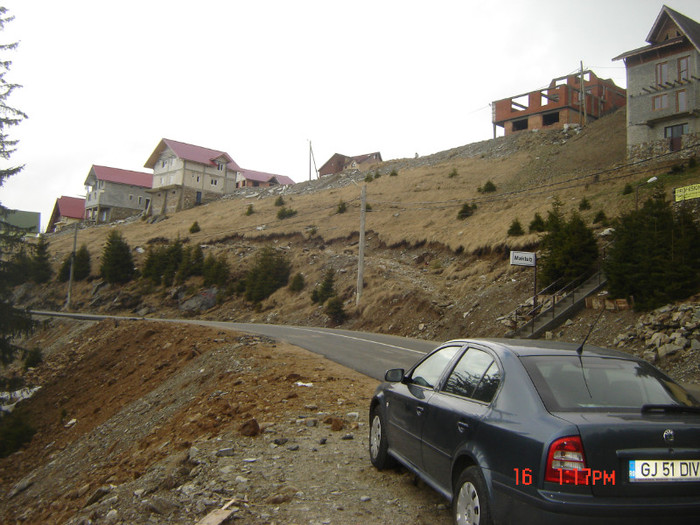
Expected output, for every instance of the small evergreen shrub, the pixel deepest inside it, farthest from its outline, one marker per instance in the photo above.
(270, 272)
(467, 210)
(369, 178)
(489, 187)
(215, 270)
(515, 229)
(334, 310)
(297, 284)
(342, 207)
(33, 358)
(537, 224)
(377, 175)
(249, 210)
(285, 213)
(15, 431)
(627, 189)
(600, 218)
(452, 174)
(195, 227)
(279, 201)
(584, 204)
(81, 266)
(394, 173)
(326, 289)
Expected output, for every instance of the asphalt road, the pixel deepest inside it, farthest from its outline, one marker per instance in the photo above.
(368, 353)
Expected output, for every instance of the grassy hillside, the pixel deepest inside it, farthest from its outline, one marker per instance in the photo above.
(427, 273)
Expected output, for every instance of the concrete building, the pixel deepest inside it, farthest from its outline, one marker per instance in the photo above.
(185, 175)
(339, 162)
(114, 194)
(663, 88)
(67, 210)
(29, 221)
(559, 105)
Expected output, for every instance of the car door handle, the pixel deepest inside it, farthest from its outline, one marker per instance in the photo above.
(462, 427)
(420, 410)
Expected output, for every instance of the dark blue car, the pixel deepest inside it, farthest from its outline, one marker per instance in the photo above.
(537, 432)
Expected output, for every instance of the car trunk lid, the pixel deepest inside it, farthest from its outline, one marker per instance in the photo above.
(650, 453)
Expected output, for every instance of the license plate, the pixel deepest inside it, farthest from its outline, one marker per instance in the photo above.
(664, 470)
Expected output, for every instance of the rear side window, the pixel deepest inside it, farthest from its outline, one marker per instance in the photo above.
(428, 372)
(601, 384)
(475, 376)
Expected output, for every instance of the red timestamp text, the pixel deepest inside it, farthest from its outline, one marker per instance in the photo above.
(584, 476)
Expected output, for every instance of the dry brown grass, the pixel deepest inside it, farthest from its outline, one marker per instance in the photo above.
(421, 203)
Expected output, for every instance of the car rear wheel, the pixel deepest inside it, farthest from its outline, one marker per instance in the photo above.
(378, 444)
(470, 504)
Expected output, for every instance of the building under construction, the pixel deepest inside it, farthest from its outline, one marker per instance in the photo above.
(559, 105)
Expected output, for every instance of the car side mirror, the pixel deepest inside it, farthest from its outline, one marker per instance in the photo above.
(395, 375)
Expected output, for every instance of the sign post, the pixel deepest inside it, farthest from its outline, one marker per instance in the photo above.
(526, 259)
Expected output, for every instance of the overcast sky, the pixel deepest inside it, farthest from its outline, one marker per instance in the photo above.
(103, 82)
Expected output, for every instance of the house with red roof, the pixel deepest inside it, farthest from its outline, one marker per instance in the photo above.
(113, 194)
(339, 162)
(255, 179)
(185, 175)
(67, 210)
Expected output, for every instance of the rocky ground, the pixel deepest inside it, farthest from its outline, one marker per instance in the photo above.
(149, 422)
(153, 423)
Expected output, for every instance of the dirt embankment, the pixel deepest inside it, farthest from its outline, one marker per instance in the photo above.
(146, 422)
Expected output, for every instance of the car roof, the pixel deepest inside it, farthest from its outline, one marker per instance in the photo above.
(532, 347)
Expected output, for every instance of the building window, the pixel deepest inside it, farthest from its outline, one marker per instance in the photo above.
(661, 73)
(214, 182)
(671, 132)
(131, 197)
(683, 68)
(550, 118)
(682, 101)
(519, 125)
(659, 102)
(220, 166)
(140, 199)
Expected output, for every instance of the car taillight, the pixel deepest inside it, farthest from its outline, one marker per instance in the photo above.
(566, 462)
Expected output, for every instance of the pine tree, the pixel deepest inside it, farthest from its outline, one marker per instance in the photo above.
(81, 266)
(117, 263)
(655, 256)
(12, 320)
(40, 268)
(570, 248)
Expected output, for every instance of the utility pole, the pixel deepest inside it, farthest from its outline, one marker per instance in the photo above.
(312, 158)
(583, 98)
(361, 257)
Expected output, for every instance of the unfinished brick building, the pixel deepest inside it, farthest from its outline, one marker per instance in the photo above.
(559, 104)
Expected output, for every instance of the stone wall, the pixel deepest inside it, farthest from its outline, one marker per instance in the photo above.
(690, 147)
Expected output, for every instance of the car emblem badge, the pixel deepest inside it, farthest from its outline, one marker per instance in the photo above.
(669, 436)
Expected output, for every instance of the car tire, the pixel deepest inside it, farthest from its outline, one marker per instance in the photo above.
(470, 504)
(378, 444)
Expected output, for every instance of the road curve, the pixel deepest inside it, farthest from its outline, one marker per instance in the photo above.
(368, 353)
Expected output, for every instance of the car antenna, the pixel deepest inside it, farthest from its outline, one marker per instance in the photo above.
(579, 351)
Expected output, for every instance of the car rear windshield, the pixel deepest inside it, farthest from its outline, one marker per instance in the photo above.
(599, 384)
